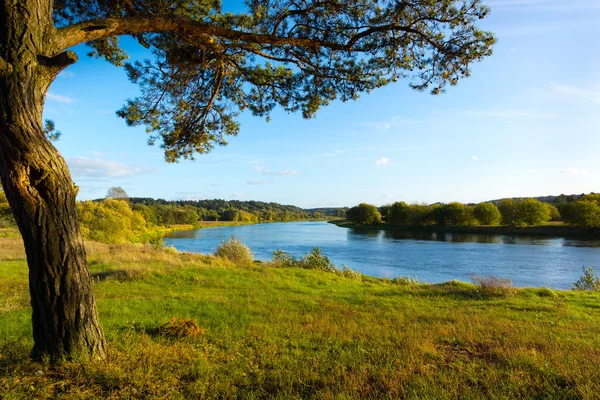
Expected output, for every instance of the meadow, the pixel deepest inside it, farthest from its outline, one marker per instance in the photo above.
(182, 325)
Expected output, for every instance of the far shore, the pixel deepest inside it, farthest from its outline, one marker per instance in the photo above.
(567, 231)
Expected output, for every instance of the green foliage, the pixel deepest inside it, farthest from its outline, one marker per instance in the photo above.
(524, 212)
(453, 214)
(111, 221)
(589, 281)
(584, 211)
(178, 212)
(487, 214)
(364, 214)
(509, 212)
(50, 130)
(313, 260)
(6, 215)
(533, 212)
(299, 56)
(399, 214)
(235, 251)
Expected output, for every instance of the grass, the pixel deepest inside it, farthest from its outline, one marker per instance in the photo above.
(258, 331)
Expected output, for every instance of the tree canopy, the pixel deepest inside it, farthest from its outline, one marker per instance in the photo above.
(208, 65)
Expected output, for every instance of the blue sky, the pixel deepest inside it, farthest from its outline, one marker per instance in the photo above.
(526, 123)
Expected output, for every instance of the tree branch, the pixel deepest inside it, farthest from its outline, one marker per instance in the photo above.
(57, 63)
(99, 29)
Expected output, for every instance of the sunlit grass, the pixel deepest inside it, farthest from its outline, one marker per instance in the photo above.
(297, 333)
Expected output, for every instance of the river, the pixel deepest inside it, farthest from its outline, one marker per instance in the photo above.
(527, 261)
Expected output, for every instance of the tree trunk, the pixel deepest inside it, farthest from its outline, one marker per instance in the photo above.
(40, 191)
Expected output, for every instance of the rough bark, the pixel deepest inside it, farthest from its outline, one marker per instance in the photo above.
(39, 188)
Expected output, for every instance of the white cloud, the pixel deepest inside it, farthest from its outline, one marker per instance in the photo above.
(286, 172)
(474, 158)
(60, 99)
(592, 95)
(575, 171)
(542, 5)
(383, 161)
(256, 182)
(82, 167)
(66, 74)
(527, 114)
(237, 194)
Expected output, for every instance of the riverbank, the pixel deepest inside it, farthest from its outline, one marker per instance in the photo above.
(544, 230)
(263, 332)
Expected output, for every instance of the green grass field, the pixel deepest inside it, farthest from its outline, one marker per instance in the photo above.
(293, 333)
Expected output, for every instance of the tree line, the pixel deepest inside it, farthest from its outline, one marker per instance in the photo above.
(581, 210)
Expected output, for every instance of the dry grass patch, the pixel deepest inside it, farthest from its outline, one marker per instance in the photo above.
(180, 328)
(493, 286)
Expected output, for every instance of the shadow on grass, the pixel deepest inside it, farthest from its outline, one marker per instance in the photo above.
(121, 275)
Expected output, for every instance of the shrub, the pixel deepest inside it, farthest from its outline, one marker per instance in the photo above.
(589, 281)
(453, 214)
(404, 280)
(533, 212)
(111, 221)
(487, 214)
(235, 251)
(583, 212)
(313, 260)
(364, 214)
(493, 286)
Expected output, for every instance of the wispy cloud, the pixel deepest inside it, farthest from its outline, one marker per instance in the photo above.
(515, 113)
(591, 94)
(67, 74)
(254, 182)
(60, 99)
(575, 171)
(237, 194)
(383, 161)
(87, 168)
(387, 124)
(285, 172)
(542, 5)
(474, 158)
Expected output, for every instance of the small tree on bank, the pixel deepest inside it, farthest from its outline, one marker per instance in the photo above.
(207, 66)
(487, 214)
(364, 213)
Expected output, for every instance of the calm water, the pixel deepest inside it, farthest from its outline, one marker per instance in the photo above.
(527, 261)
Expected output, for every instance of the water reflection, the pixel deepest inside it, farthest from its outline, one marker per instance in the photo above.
(364, 234)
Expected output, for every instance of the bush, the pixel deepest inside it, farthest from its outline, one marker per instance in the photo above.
(364, 214)
(533, 212)
(582, 212)
(487, 214)
(235, 251)
(493, 286)
(111, 221)
(524, 212)
(453, 214)
(313, 260)
(589, 281)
